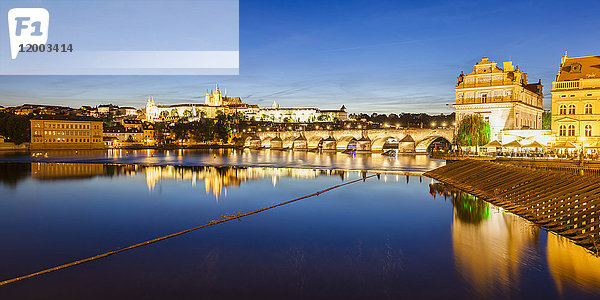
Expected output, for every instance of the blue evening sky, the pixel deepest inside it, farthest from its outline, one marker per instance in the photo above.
(372, 56)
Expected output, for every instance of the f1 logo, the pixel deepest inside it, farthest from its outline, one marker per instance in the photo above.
(27, 26)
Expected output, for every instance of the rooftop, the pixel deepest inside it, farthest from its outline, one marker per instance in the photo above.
(66, 118)
(575, 68)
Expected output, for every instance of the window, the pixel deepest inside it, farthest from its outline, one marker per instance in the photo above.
(562, 110)
(571, 109)
(588, 130)
(588, 109)
(563, 130)
(484, 98)
(571, 131)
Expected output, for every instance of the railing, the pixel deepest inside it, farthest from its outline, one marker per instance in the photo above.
(493, 99)
(566, 85)
(485, 83)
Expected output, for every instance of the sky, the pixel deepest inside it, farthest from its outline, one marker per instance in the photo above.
(371, 56)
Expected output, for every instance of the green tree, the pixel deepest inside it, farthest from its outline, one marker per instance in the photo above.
(181, 130)
(164, 114)
(187, 113)
(15, 128)
(472, 130)
(222, 128)
(160, 133)
(546, 120)
(174, 113)
(109, 120)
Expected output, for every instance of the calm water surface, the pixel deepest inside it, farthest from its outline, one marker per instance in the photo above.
(237, 158)
(394, 237)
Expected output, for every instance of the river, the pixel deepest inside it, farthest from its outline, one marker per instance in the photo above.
(399, 235)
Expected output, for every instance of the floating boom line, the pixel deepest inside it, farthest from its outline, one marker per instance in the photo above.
(226, 218)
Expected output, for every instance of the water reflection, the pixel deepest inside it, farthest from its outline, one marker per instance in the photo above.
(236, 158)
(215, 180)
(572, 266)
(493, 247)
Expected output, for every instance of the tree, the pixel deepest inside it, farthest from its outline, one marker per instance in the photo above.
(130, 139)
(174, 113)
(187, 113)
(546, 120)
(164, 114)
(181, 130)
(15, 128)
(472, 130)
(160, 133)
(222, 128)
(109, 120)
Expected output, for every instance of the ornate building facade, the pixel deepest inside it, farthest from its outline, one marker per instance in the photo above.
(298, 114)
(501, 96)
(215, 101)
(576, 102)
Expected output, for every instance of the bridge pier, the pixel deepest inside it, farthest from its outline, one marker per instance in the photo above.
(276, 143)
(363, 144)
(329, 144)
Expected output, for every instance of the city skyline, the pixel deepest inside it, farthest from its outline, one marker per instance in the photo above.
(389, 58)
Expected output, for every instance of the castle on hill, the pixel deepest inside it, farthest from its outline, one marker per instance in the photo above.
(217, 101)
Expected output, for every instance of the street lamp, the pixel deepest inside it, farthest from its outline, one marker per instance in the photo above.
(433, 124)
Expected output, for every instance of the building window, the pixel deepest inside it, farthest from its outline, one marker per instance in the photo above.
(571, 131)
(588, 130)
(571, 109)
(588, 109)
(562, 110)
(484, 98)
(563, 130)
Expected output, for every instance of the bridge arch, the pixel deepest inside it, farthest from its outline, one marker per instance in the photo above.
(266, 142)
(313, 142)
(379, 143)
(343, 142)
(422, 146)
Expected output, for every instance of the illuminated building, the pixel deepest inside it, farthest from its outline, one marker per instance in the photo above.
(214, 102)
(217, 101)
(501, 96)
(298, 115)
(66, 132)
(576, 102)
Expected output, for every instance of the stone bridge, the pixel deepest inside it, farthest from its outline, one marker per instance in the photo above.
(375, 140)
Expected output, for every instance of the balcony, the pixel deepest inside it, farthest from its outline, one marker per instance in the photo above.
(485, 83)
(487, 100)
(563, 85)
(588, 83)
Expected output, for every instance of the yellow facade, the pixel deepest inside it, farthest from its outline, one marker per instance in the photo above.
(576, 102)
(501, 96)
(51, 132)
